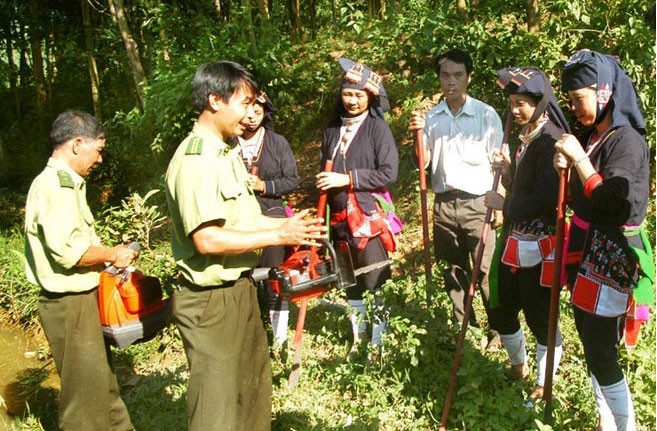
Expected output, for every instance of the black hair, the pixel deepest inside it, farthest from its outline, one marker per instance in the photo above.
(457, 56)
(72, 124)
(222, 78)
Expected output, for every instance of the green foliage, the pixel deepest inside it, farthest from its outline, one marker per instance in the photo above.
(135, 220)
(18, 297)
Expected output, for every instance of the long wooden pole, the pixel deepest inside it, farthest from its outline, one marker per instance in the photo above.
(473, 283)
(419, 147)
(301, 319)
(554, 297)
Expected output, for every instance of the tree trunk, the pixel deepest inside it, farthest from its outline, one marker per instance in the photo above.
(263, 9)
(93, 69)
(13, 78)
(333, 17)
(313, 18)
(37, 59)
(382, 8)
(533, 17)
(462, 9)
(136, 69)
(295, 19)
(23, 68)
(246, 10)
(51, 63)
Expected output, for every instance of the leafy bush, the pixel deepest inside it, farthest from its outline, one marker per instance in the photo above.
(134, 220)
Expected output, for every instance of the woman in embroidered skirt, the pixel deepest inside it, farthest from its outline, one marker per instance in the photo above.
(606, 263)
(521, 275)
(365, 161)
(273, 173)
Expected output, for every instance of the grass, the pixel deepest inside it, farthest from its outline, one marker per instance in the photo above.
(404, 392)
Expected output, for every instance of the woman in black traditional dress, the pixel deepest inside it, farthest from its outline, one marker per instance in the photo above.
(522, 278)
(365, 161)
(273, 174)
(608, 260)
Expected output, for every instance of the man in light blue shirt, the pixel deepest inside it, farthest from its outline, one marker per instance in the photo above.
(460, 134)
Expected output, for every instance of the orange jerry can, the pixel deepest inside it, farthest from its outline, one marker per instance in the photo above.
(131, 307)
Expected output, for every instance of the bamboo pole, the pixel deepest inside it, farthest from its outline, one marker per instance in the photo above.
(419, 146)
(554, 297)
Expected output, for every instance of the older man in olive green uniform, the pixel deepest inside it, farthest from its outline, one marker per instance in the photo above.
(217, 228)
(64, 256)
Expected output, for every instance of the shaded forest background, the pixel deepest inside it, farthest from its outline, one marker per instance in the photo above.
(131, 61)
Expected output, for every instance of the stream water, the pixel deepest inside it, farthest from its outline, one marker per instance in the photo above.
(22, 375)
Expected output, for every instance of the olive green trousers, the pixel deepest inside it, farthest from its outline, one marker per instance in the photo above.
(89, 398)
(226, 345)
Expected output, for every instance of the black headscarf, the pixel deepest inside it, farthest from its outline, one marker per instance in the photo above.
(533, 81)
(614, 88)
(268, 109)
(359, 77)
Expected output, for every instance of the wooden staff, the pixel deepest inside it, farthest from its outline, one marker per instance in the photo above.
(554, 297)
(419, 147)
(301, 319)
(473, 283)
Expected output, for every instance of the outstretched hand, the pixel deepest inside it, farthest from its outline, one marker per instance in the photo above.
(299, 230)
(417, 121)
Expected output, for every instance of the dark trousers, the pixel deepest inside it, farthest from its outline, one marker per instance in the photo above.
(457, 221)
(230, 375)
(89, 392)
(371, 281)
(521, 290)
(600, 337)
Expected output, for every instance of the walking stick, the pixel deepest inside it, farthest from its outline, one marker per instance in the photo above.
(473, 283)
(301, 319)
(554, 297)
(419, 146)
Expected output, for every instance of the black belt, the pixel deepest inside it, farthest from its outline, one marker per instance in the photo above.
(454, 193)
(182, 281)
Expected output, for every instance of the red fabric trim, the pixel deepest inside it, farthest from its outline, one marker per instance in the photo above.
(591, 183)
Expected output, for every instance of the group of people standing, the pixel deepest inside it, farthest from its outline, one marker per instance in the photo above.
(226, 201)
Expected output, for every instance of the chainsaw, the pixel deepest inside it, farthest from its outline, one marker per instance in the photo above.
(307, 274)
(310, 273)
(131, 306)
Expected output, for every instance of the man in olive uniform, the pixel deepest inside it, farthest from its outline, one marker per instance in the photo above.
(217, 228)
(64, 257)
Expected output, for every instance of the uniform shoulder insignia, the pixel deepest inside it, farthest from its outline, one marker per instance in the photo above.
(194, 146)
(65, 179)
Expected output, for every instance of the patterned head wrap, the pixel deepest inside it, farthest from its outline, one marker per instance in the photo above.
(533, 81)
(614, 88)
(360, 77)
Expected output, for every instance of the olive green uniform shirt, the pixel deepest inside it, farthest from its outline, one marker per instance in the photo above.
(207, 182)
(59, 229)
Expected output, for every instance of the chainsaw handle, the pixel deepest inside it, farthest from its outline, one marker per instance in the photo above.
(111, 269)
(321, 205)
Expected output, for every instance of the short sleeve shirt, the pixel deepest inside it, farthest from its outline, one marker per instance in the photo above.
(462, 146)
(207, 182)
(59, 229)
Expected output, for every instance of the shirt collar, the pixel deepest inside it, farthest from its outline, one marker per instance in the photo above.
(61, 165)
(210, 138)
(468, 107)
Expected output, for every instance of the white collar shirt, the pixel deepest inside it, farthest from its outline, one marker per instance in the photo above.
(461, 146)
